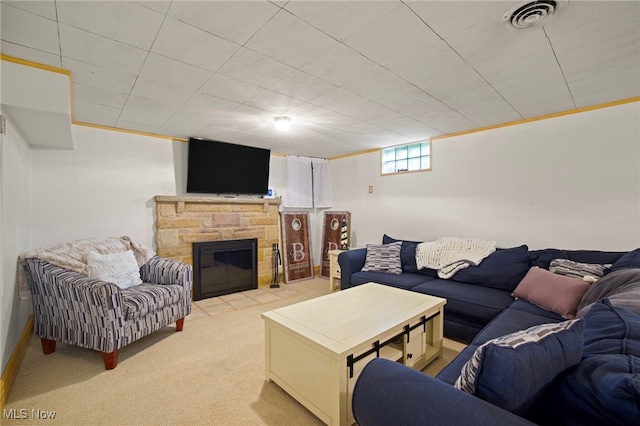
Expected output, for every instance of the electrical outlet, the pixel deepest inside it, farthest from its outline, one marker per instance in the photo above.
(370, 189)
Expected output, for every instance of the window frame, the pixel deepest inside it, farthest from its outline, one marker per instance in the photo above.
(407, 158)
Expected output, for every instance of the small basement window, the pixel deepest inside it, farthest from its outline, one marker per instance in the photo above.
(412, 157)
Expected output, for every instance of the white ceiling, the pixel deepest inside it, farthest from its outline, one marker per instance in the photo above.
(352, 75)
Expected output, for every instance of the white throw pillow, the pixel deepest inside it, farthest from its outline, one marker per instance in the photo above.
(118, 268)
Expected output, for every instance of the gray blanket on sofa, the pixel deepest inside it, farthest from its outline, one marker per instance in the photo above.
(622, 288)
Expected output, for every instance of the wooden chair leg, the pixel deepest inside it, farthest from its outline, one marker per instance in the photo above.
(48, 346)
(110, 360)
(179, 324)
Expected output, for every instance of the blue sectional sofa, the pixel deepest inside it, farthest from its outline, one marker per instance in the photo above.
(475, 295)
(589, 375)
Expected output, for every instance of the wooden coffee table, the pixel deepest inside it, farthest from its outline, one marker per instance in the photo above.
(315, 350)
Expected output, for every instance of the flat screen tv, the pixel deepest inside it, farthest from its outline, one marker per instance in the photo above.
(225, 168)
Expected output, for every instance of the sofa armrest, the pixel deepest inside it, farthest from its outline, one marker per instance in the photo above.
(350, 262)
(159, 270)
(388, 393)
(70, 307)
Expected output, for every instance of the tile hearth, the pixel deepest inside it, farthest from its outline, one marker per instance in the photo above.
(234, 301)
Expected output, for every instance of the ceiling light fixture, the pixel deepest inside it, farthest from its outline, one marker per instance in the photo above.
(282, 123)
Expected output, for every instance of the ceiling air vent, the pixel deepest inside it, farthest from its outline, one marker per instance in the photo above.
(531, 13)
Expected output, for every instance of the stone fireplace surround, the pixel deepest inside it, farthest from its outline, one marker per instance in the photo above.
(183, 220)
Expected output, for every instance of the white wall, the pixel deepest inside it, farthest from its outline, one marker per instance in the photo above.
(568, 182)
(15, 218)
(104, 187)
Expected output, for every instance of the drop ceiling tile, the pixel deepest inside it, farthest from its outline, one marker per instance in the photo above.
(98, 95)
(580, 13)
(87, 47)
(27, 29)
(290, 40)
(123, 21)
(511, 64)
(380, 85)
(161, 92)
(340, 19)
(159, 6)
(490, 38)
(175, 73)
(450, 17)
(606, 87)
(143, 121)
(310, 113)
(426, 62)
(303, 86)
(207, 105)
(339, 65)
(273, 102)
(192, 45)
(254, 68)
(89, 112)
(406, 126)
(242, 118)
(46, 9)
(236, 21)
(228, 88)
(456, 81)
(393, 36)
(34, 55)
(483, 105)
(93, 75)
(350, 104)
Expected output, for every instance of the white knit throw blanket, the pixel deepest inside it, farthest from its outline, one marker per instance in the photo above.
(73, 256)
(449, 254)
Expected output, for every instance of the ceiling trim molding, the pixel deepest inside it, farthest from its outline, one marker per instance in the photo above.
(34, 64)
(133, 132)
(542, 117)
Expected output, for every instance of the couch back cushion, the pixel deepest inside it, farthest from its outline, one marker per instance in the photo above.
(543, 258)
(626, 261)
(502, 269)
(408, 257)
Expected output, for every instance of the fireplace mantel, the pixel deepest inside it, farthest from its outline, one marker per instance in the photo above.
(183, 220)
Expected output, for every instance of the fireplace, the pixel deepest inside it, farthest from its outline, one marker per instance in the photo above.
(223, 267)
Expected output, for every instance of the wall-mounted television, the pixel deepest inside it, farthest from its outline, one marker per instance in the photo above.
(215, 167)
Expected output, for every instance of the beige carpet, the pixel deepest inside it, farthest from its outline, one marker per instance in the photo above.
(210, 374)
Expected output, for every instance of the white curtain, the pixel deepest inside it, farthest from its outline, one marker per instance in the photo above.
(307, 183)
(322, 193)
(298, 183)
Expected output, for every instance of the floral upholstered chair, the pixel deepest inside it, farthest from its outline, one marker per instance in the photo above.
(103, 293)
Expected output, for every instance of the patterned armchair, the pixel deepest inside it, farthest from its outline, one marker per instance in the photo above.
(72, 308)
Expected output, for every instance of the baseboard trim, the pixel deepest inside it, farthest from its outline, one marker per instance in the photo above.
(11, 371)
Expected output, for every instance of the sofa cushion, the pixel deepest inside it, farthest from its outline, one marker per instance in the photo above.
(601, 390)
(145, 298)
(502, 269)
(611, 330)
(513, 371)
(404, 281)
(467, 300)
(553, 292)
(520, 315)
(383, 258)
(628, 260)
